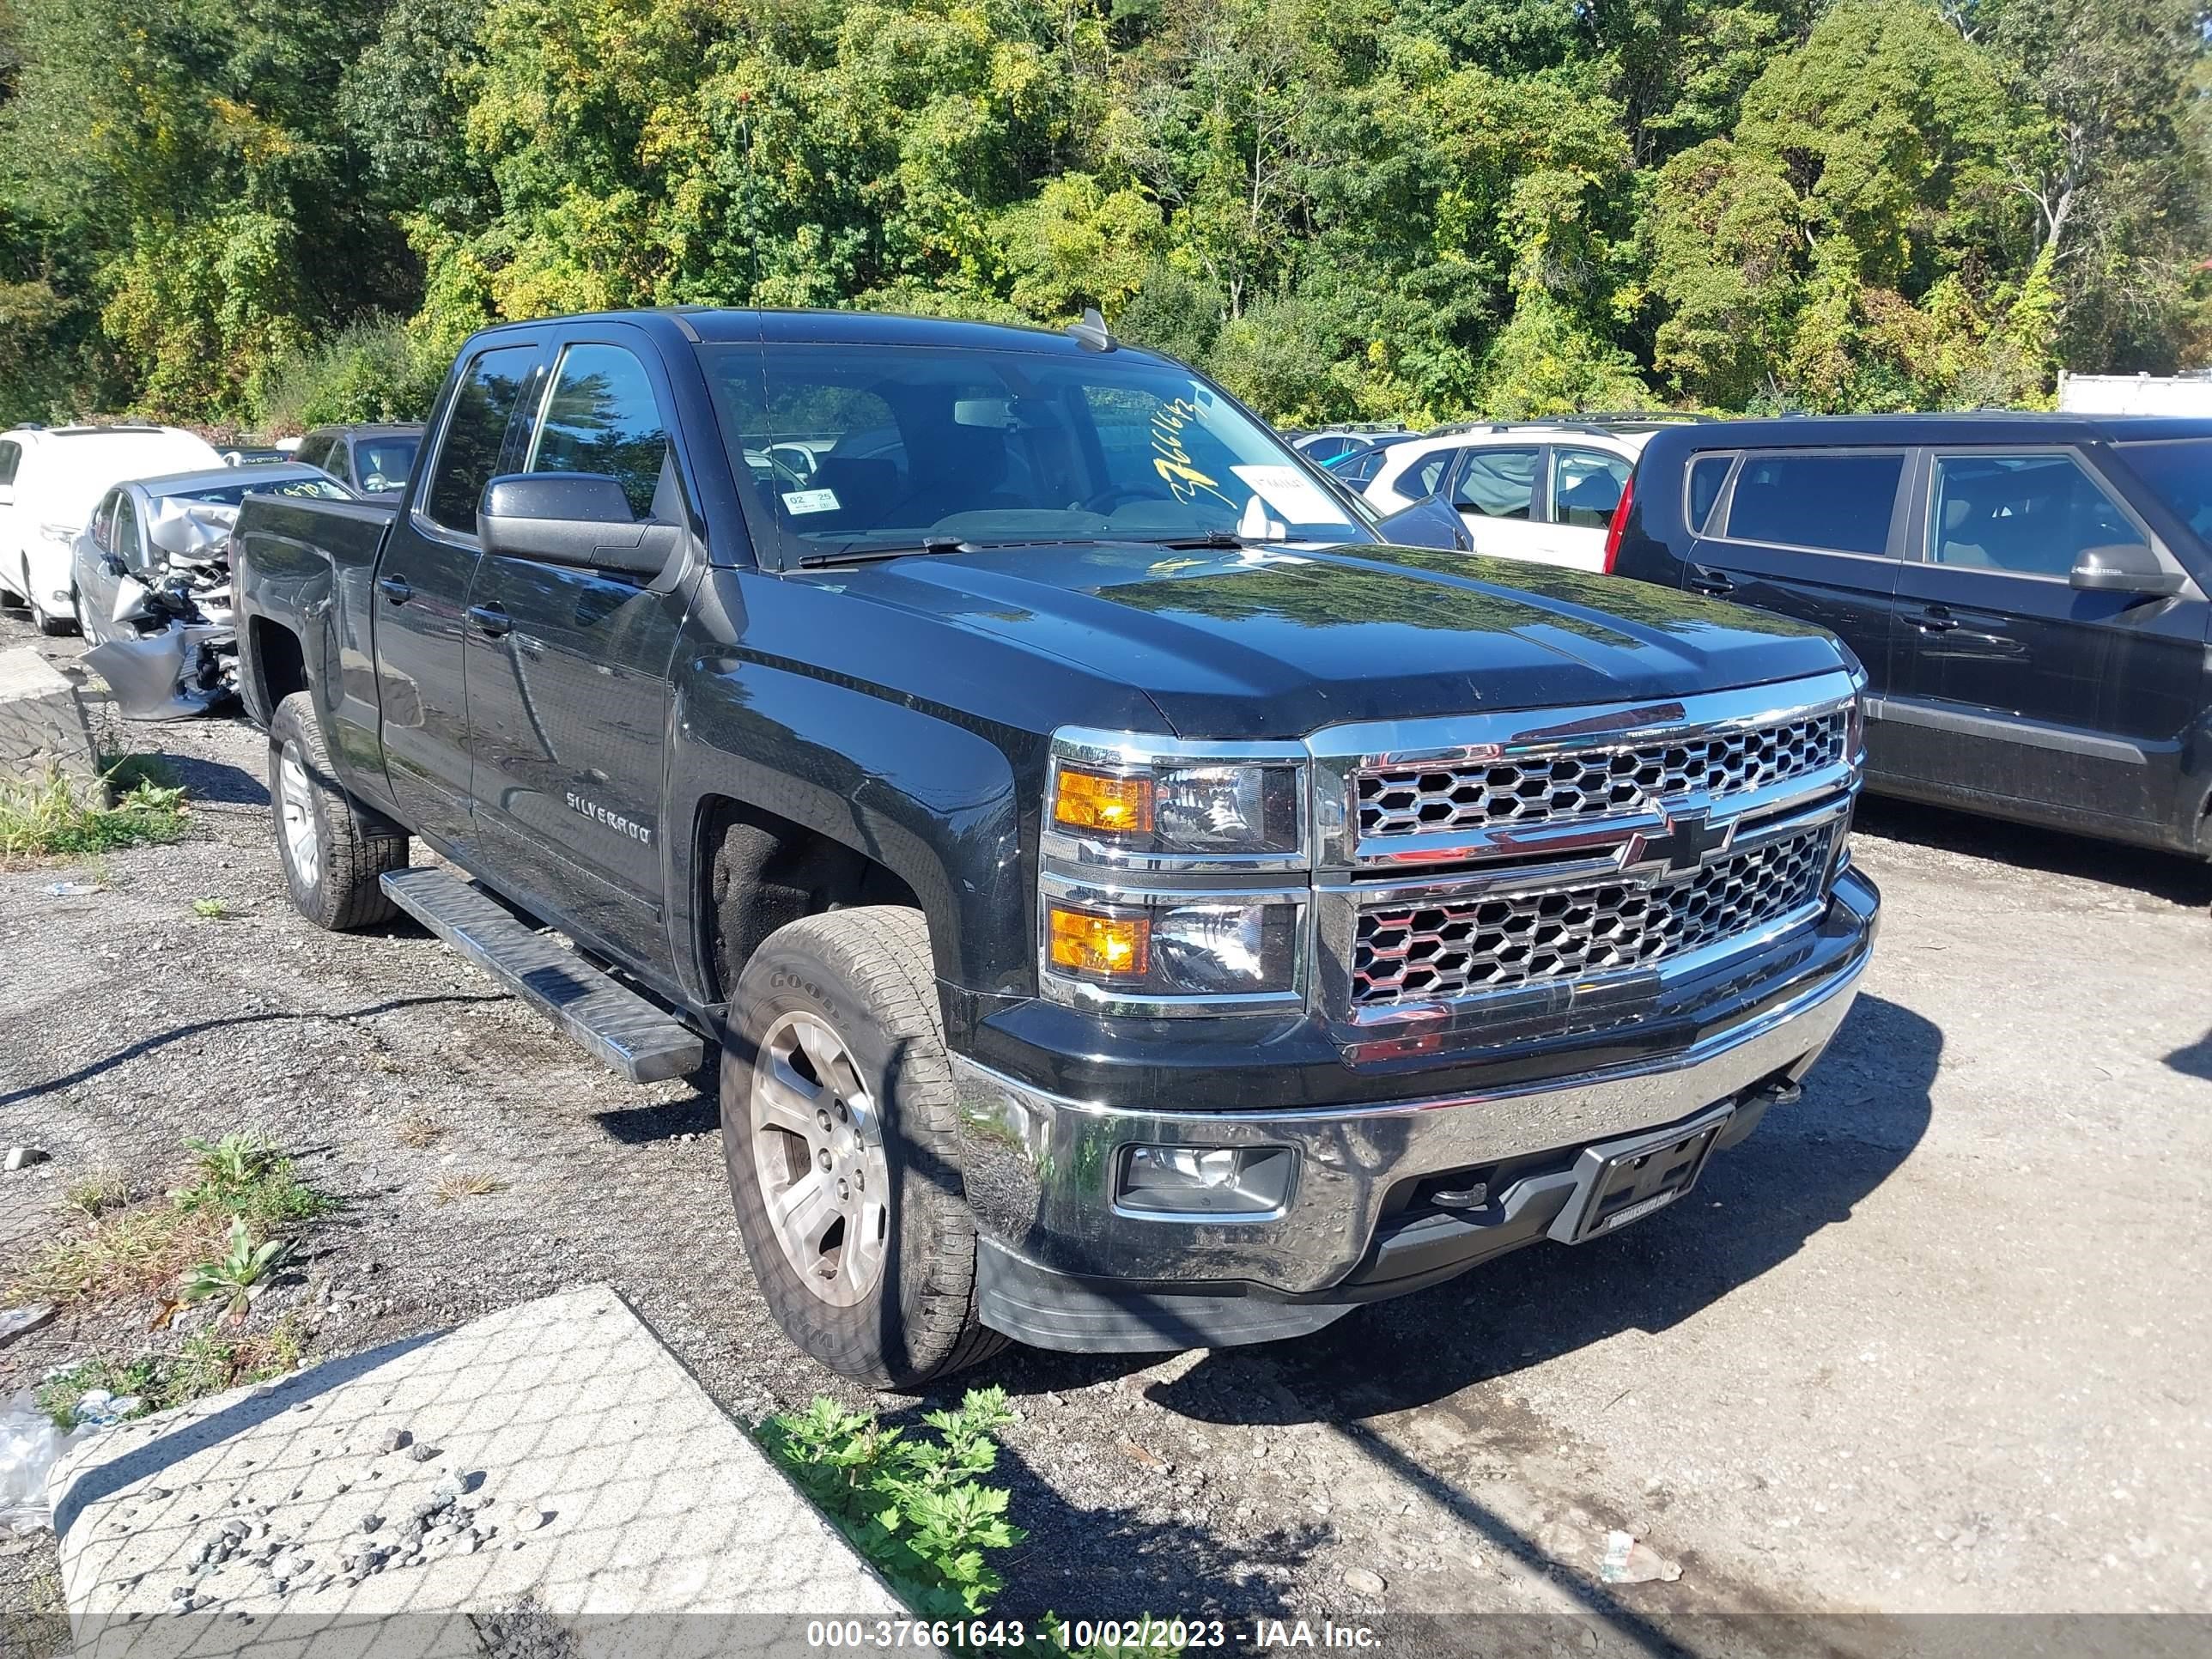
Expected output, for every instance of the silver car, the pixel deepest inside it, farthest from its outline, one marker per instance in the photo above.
(150, 583)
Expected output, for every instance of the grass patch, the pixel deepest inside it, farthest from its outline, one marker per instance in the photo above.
(419, 1130)
(213, 909)
(131, 1253)
(203, 1364)
(56, 820)
(145, 1249)
(920, 1509)
(917, 1507)
(101, 1192)
(460, 1185)
(244, 1176)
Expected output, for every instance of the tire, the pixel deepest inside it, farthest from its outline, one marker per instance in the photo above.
(52, 627)
(863, 977)
(332, 848)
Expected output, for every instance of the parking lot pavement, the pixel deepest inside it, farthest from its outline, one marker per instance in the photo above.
(1935, 1338)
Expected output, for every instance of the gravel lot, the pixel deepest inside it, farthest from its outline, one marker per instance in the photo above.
(1934, 1339)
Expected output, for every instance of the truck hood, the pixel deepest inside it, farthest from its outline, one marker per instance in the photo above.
(1276, 643)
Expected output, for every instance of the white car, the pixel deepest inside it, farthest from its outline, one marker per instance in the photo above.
(51, 478)
(1543, 491)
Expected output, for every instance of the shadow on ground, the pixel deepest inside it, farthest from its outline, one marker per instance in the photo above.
(216, 783)
(2164, 875)
(1805, 1168)
(92, 1068)
(2194, 1061)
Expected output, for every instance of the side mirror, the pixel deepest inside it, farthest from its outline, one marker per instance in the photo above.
(2125, 568)
(1429, 522)
(580, 519)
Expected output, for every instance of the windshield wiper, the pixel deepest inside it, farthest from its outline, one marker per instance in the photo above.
(870, 555)
(941, 544)
(1227, 540)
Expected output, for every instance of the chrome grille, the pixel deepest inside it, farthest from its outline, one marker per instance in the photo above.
(1416, 800)
(1458, 947)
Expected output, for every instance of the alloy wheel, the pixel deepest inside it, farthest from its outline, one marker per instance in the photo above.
(297, 804)
(818, 1152)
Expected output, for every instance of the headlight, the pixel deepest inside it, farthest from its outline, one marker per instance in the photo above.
(1127, 804)
(1182, 809)
(1173, 874)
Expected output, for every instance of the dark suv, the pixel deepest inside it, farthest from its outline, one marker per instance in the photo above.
(2027, 593)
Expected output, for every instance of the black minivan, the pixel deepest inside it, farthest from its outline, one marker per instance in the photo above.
(2027, 593)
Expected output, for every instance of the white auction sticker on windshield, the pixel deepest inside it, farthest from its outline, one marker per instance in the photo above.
(1291, 494)
(796, 501)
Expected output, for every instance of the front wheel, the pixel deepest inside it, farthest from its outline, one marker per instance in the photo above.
(333, 847)
(838, 1134)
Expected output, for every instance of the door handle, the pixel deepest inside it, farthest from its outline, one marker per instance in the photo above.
(491, 620)
(1715, 584)
(395, 588)
(1937, 619)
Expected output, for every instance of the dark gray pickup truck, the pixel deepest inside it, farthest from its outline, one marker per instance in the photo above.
(1137, 906)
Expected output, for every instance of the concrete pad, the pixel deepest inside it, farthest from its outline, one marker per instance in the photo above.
(639, 1506)
(42, 724)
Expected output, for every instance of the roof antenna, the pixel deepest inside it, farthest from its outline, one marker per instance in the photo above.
(1092, 332)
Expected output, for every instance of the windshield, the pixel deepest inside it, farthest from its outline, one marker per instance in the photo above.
(318, 487)
(2179, 473)
(860, 448)
(383, 464)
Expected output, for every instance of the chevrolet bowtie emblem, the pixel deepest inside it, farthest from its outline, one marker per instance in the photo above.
(1688, 838)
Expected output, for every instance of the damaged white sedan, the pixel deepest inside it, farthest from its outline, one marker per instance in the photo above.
(151, 583)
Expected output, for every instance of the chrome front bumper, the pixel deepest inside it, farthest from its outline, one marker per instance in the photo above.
(1040, 1170)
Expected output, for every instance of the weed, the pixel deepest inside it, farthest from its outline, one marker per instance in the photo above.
(212, 909)
(465, 1185)
(233, 1161)
(100, 1193)
(242, 1175)
(420, 1129)
(126, 772)
(134, 1249)
(203, 1364)
(917, 1507)
(239, 1275)
(50, 819)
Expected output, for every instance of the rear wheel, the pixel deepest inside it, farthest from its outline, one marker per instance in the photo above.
(48, 623)
(837, 1131)
(333, 849)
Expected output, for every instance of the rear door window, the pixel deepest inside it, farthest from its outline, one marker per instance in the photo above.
(1839, 503)
(2025, 514)
(11, 457)
(1422, 478)
(1707, 475)
(475, 432)
(1498, 484)
(1586, 486)
(314, 450)
(103, 522)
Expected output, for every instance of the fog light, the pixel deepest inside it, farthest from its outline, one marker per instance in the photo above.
(1207, 1181)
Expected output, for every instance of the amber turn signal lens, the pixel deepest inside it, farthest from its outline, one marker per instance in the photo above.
(1099, 800)
(1102, 947)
